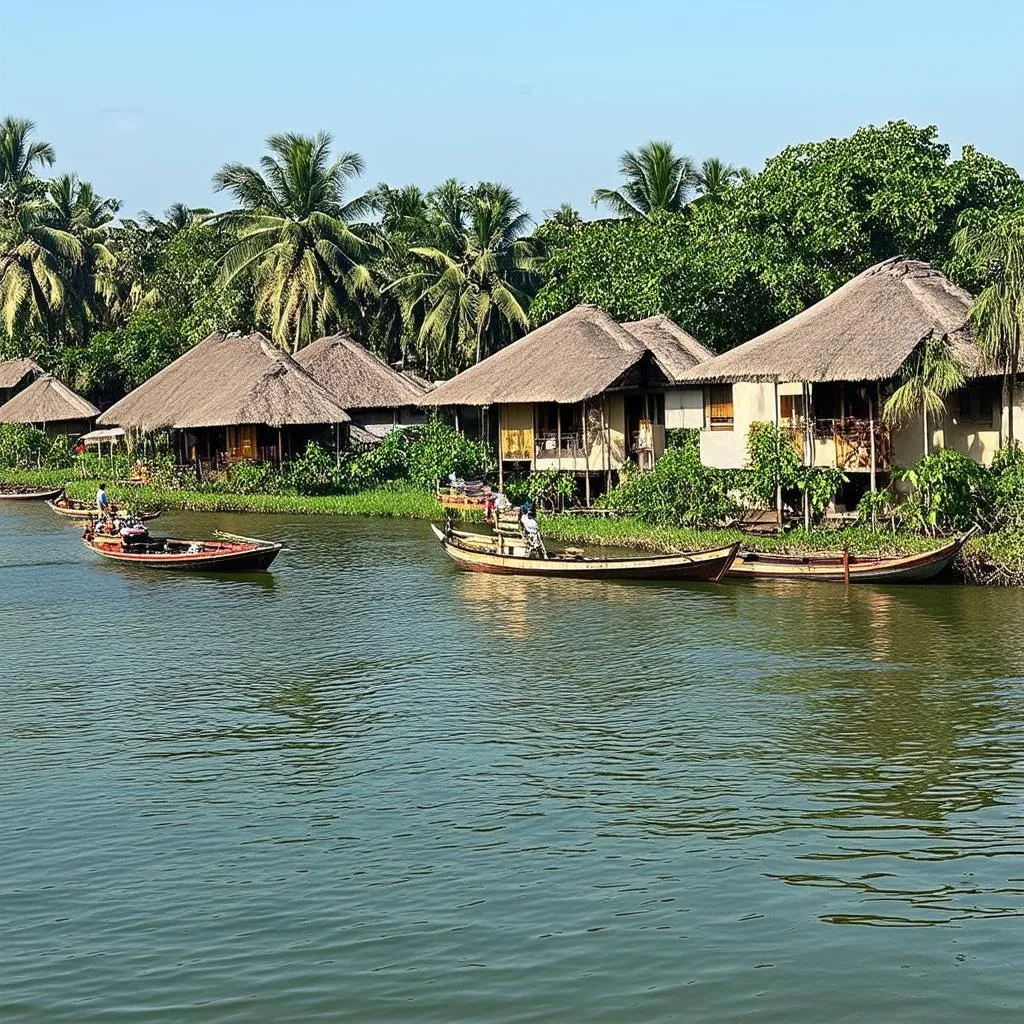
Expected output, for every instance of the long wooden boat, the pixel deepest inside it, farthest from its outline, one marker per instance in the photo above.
(479, 553)
(845, 568)
(79, 510)
(20, 492)
(222, 555)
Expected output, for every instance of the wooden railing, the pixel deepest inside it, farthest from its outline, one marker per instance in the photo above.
(852, 438)
(546, 445)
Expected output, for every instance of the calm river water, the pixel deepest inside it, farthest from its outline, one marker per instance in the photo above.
(370, 788)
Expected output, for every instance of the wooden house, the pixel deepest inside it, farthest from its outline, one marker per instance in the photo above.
(376, 397)
(51, 406)
(233, 397)
(583, 394)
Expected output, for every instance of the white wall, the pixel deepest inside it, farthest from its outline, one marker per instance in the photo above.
(684, 407)
(727, 449)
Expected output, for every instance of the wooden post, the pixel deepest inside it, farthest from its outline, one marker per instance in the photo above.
(280, 449)
(806, 389)
(457, 419)
(558, 435)
(778, 483)
(871, 431)
(501, 450)
(337, 446)
(606, 441)
(586, 458)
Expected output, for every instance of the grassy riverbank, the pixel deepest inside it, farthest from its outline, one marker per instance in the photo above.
(995, 559)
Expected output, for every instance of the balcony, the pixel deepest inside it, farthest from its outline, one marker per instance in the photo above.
(852, 439)
(546, 445)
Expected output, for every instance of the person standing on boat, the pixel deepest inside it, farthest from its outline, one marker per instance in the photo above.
(531, 531)
(102, 501)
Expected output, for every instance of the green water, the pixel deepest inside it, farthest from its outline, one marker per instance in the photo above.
(370, 788)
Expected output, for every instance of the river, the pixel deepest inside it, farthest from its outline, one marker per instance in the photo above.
(366, 787)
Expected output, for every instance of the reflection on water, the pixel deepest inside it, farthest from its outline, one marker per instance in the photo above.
(370, 774)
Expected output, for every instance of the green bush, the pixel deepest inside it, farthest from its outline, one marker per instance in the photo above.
(774, 462)
(313, 472)
(250, 477)
(1003, 490)
(547, 489)
(679, 491)
(948, 493)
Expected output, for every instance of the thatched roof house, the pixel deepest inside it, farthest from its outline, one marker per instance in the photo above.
(356, 377)
(863, 331)
(576, 356)
(47, 401)
(14, 373)
(676, 351)
(227, 380)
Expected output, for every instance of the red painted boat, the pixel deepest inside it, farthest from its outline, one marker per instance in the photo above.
(228, 553)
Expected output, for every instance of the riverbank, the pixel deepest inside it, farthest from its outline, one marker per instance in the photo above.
(988, 560)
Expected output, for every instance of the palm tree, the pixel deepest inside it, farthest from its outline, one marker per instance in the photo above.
(19, 154)
(294, 234)
(177, 217)
(716, 178)
(657, 179)
(996, 250)
(76, 209)
(472, 281)
(34, 265)
(931, 372)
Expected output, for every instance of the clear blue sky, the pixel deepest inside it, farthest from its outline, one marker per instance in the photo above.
(147, 100)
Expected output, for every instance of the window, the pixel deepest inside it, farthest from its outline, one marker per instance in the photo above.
(978, 400)
(791, 410)
(718, 407)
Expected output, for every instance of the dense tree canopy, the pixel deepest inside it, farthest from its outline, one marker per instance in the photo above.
(437, 278)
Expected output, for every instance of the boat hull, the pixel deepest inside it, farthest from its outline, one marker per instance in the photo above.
(30, 495)
(80, 511)
(707, 566)
(916, 568)
(231, 558)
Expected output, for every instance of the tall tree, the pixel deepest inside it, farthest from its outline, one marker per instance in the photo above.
(295, 234)
(716, 179)
(473, 282)
(994, 245)
(657, 179)
(20, 154)
(176, 217)
(929, 375)
(76, 209)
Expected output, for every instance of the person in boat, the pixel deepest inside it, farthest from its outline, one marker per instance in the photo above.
(102, 501)
(531, 531)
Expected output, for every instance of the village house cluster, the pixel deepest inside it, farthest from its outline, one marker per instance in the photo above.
(582, 394)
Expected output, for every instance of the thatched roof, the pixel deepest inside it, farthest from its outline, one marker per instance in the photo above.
(46, 400)
(14, 371)
(674, 349)
(574, 357)
(227, 379)
(356, 377)
(862, 331)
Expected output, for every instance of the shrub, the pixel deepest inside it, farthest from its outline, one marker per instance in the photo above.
(947, 493)
(547, 489)
(679, 491)
(1003, 489)
(313, 472)
(250, 477)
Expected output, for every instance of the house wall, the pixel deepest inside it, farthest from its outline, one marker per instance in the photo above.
(751, 403)
(684, 408)
(978, 440)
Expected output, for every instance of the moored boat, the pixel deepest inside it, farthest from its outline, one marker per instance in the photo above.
(133, 545)
(847, 568)
(480, 553)
(21, 492)
(79, 510)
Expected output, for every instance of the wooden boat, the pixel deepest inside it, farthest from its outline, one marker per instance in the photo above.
(846, 568)
(20, 492)
(228, 553)
(480, 553)
(76, 508)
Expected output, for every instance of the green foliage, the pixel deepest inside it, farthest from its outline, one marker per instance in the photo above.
(248, 477)
(313, 472)
(679, 491)
(1003, 490)
(25, 446)
(947, 493)
(547, 488)
(774, 462)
